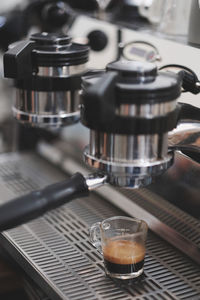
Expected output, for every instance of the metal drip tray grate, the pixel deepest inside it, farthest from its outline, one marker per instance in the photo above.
(177, 219)
(55, 250)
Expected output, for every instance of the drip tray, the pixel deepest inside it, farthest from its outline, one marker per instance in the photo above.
(56, 253)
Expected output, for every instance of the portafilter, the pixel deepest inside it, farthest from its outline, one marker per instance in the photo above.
(47, 70)
(135, 125)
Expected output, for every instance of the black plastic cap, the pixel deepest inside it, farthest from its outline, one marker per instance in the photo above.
(46, 38)
(134, 71)
(55, 50)
(165, 88)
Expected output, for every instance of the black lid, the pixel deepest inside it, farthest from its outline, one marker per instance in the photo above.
(43, 49)
(134, 71)
(50, 39)
(165, 88)
(57, 50)
(140, 83)
(129, 82)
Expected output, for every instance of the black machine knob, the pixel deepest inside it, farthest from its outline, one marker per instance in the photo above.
(56, 15)
(98, 40)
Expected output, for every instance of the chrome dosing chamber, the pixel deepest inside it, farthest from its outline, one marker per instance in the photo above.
(129, 110)
(47, 70)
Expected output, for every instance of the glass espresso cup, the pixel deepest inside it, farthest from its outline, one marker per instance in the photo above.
(121, 241)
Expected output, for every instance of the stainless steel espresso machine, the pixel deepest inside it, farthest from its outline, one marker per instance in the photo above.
(135, 126)
(129, 110)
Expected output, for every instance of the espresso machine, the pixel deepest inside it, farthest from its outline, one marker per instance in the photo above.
(135, 128)
(129, 109)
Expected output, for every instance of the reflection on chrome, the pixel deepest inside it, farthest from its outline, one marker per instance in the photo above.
(185, 137)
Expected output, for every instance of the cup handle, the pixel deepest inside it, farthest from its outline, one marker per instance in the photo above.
(95, 237)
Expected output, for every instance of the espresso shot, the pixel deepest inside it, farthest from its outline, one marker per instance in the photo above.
(122, 243)
(124, 257)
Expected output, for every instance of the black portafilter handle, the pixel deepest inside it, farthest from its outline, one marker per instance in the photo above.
(35, 204)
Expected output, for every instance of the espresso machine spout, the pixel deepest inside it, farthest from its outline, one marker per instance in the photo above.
(185, 137)
(96, 180)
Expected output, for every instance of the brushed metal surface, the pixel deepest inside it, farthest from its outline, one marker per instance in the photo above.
(47, 108)
(129, 160)
(146, 110)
